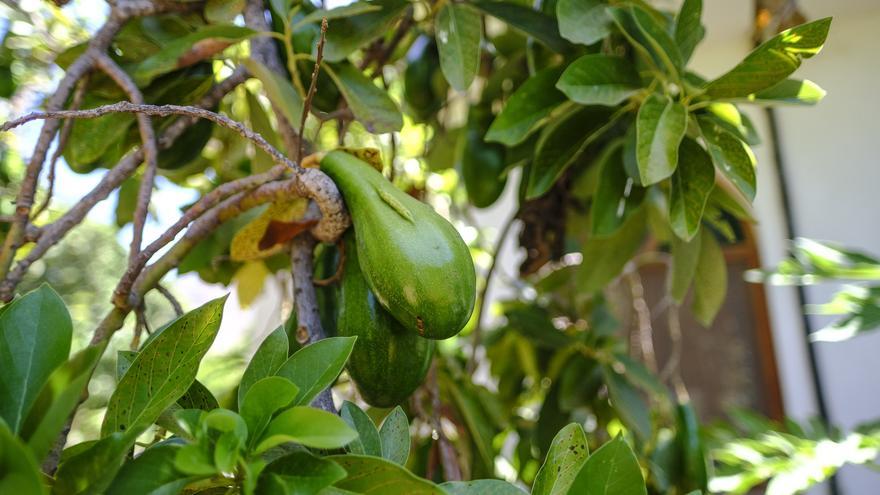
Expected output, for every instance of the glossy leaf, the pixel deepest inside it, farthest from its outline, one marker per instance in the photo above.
(772, 62)
(394, 434)
(316, 366)
(266, 397)
(687, 436)
(790, 91)
(599, 80)
(35, 333)
(690, 188)
(527, 109)
(660, 127)
(370, 104)
(710, 280)
(57, 400)
(458, 30)
(604, 258)
(684, 264)
(278, 89)
(271, 354)
(164, 370)
(616, 197)
(531, 22)
(689, 31)
(347, 34)
(731, 156)
(568, 453)
(368, 442)
(19, 472)
(583, 21)
(481, 487)
(151, 473)
(612, 469)
(309, 427)
(92, 469)
(189, 49)
(561, 144)
(658, 40)
(374, 476)
(300, 473)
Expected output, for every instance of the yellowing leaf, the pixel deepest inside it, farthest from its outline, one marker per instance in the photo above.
(248, 245)
(370, 155)
(249, 281)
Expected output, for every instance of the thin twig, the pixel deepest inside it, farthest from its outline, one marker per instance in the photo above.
(448, 458)
(63, 137)
(478, 325)
(48, 235)
(149, 147)
(175, 304)
(313, 86)
(645, 331)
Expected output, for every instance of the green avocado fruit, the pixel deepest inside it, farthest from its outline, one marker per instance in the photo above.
(413, 260)
(388, 362)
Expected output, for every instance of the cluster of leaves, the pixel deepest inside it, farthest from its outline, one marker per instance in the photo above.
(273, 442)
(815, 262)
(791, 456)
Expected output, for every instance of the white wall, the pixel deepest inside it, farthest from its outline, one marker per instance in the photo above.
(832, 171)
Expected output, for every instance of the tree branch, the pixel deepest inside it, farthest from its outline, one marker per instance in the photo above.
(149, 147)
(307, 105)
(49, 235)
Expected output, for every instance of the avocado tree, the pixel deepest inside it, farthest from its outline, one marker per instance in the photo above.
(347, 145)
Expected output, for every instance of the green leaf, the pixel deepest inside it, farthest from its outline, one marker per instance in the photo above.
(174, 54)
(628, 402)
(683, 267)
(527, 109)
(731, 156)
(710, 280)
(264, 399)
(689, 31)
(728, 116)
(368, 442)
(164, 370)
(92, 469)
(599, 80)
(345, 11)
(278, 89)
(151, 473)
(660, 127)
(271, 354)
(531, 22)
(309, 427)
(690, 188)
(299, 473)
(612, 469)
(481, 487)
(687, 436)
(57, 400)
(771, 62)
(583, 21)
(604, 258)
(617, 196)
(197, 396)
(459, 31)
(19, 472)
(394, 434)
(316, 366)
(370, 104)
(223, 11)
(347, 34)
(35, 333)
(659, 42)
(789, 91)
(861, 309)
(374, 476)
(568, 453)
(561, 143)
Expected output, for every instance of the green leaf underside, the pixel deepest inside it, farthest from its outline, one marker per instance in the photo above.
(376, 476)
(583, 21)
(660, 127)
(458, 31)
(370, 104)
